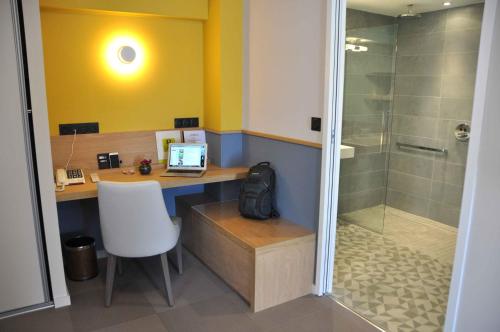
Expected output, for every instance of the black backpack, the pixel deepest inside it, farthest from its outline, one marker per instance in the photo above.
(257, 191)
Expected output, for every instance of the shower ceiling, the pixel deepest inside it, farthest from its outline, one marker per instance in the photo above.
(396, 7)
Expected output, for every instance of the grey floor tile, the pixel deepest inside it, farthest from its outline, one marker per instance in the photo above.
(303, 306)
(88, 312)
(146, 324)
(48, 320)
(221, 314)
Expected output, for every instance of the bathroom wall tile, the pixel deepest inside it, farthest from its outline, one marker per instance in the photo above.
(358, 104)
(408, 203)
(366, 63)
(446, 214)
(360, 84)
(369, 125)
(445, 193)
(449, 173)
(456, 109)
(421, 44)
(460, 64)
(361, 19)
(428, 23)
(428, 64)
(413, 185)
(414, 126)
(458, 87)
(412, 165)
(418, 85)
(363, 181)
(444, 131)
(463, 18)
(361, 200)
(462, 41)
(417, 106)
(363, 162)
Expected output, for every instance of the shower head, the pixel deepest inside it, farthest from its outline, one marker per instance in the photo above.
(409, 13)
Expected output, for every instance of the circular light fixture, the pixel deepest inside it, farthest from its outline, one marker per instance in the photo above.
(447, 3)
(126, 54)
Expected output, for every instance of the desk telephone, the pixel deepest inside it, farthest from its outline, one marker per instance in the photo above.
(68, 177)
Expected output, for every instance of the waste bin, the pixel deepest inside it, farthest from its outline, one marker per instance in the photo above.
(81, 259)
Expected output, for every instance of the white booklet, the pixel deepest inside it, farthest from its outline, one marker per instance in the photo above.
(194, 136)
(163, 139)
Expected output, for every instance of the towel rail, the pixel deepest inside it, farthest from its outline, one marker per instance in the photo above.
(421, 147)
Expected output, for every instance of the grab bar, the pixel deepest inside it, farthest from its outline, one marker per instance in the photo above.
(420, 147)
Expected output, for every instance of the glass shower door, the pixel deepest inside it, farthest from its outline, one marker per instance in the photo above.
(368, 95)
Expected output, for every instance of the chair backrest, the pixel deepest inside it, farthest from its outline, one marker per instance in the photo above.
(134, 219)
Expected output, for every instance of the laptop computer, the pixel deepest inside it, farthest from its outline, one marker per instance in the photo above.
(186, 159)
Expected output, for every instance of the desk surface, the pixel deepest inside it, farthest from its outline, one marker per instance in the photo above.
(89, 189)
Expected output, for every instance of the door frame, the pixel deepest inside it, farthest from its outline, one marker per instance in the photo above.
(330, 164)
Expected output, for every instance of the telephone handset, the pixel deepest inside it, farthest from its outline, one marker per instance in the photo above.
(68, 177)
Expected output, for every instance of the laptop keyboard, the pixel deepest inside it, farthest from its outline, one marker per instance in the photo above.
(184, 171)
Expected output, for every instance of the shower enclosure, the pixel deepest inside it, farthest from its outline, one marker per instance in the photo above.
(408, 90)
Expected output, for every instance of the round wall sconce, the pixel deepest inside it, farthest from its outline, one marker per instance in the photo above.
(126, 54)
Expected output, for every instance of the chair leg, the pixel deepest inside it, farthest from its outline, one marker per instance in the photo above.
(166, 279)
(178, 251)
(110, 278)
(119, 263)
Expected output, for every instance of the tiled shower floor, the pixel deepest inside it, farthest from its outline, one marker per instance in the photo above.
(399, 279)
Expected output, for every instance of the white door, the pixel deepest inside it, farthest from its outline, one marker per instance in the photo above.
(22, 279)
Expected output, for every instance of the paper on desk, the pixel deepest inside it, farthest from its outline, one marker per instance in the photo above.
(163, 139)
(194, 136)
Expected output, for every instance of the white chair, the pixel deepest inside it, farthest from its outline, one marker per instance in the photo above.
(135, 223)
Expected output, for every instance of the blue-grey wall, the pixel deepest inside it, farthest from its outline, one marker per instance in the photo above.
(298, 176)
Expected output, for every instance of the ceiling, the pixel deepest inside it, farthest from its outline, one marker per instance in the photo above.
(396, 7)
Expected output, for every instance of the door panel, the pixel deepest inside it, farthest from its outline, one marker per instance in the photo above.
(21, 282)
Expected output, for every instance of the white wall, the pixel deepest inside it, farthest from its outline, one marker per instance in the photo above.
(286, 51)
(475, 289)
(31, 11)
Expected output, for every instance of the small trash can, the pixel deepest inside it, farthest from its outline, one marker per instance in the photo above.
(81, 259)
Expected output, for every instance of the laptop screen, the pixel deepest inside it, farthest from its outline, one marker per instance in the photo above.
(187, 156)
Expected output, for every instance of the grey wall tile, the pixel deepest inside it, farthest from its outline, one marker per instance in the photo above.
(463, 18)
(414, 126)
(460, 64)
(445, 214)
(432, 43)
(360, 84)
(412, 165)
(428, 23)
(361, 19)
(417, 106)
(365, 63)
(408, 203)
(427, 64)
(363, 181)
(363, 163)
(413, 185)
(458, 87)
(462, 41)
(457, 109)
(449, 173)
(361, 200)
(457, 152)
(418, 85)
(445, 193)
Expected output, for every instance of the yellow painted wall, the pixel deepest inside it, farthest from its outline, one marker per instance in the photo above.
(193, 9)
(81, 87)
(224, 65)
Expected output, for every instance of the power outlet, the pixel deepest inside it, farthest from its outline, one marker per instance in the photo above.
(316, 124)
(81, 128)
(186, 122)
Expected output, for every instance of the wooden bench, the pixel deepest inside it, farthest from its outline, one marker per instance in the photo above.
(267, 262)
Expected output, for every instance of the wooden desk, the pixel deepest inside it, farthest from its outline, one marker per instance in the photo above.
(89, 189)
